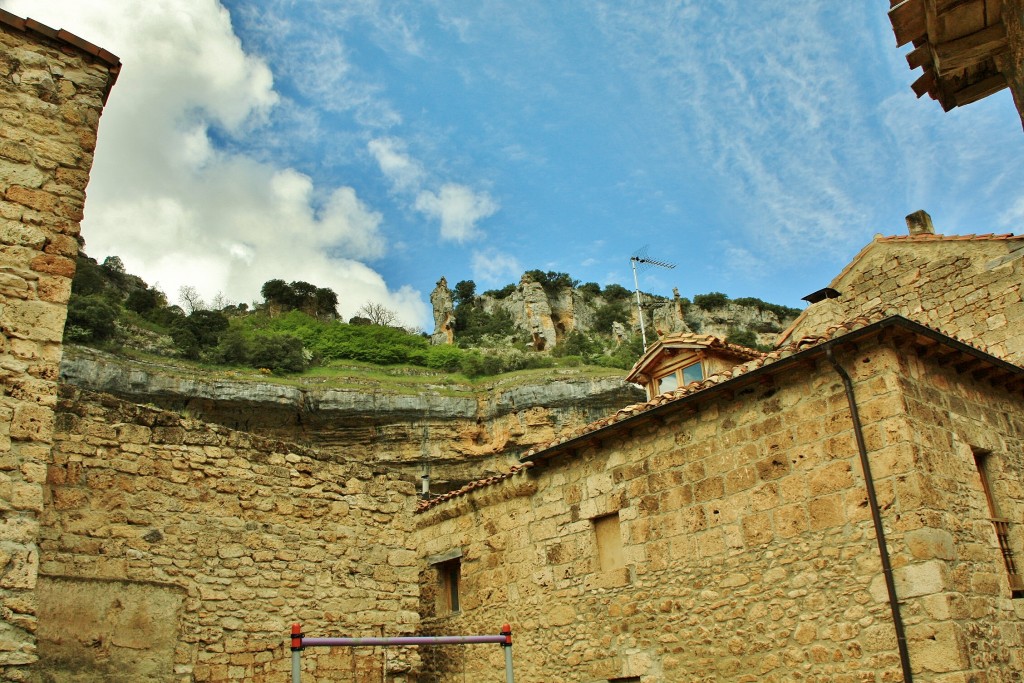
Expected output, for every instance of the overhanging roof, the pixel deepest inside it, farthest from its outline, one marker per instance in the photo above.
(961, 45)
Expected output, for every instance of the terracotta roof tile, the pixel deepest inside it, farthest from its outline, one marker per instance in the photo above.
(425, 505)
(68, 38)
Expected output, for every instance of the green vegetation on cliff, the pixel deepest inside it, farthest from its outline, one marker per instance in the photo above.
(296, 328)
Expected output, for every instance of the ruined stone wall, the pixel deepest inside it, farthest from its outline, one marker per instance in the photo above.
(747, 552)
(176, 550)
(969, 289)
(51, 97)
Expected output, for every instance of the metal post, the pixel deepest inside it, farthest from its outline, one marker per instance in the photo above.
(296, 653)
(506, 631)
(639, 307)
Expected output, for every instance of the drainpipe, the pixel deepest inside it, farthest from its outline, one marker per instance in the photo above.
(883, 550)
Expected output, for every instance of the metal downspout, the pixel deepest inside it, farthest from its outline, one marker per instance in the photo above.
(883, 550)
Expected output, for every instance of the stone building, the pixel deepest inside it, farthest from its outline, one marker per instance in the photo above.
(847, 507)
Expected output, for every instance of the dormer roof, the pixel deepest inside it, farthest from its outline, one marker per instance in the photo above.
(672, 344)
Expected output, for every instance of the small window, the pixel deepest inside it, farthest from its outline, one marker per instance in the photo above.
(692, 373)
(449, 574)
(985, 463)
(668, 383)
(627, 679)
(609, 542)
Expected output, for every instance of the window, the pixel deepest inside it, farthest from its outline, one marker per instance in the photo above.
(609, 542)
(692, 373)
(985, 463)
(449, 573)
(449, 577)
(668, 383)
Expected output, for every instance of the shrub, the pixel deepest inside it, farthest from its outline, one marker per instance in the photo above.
(711, 301)
(90, 318)
(610, 313)
(499, 294)
(445, 357)
(744, 337)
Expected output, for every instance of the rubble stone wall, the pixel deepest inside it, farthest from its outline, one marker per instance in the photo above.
(951, 538)
(51, 98)
(971, 293)
(176, 550)
(748, 551)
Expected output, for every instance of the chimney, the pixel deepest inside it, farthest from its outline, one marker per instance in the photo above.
(920, 223)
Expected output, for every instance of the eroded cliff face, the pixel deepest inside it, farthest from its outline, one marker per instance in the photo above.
(548, 316)
(462, 432)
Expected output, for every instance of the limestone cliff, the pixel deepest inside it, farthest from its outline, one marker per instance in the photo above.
(549, 314)
(462, 431)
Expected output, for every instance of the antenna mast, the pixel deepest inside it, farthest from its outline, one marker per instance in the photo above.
(643, 260)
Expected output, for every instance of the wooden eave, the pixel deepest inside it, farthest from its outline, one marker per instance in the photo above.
(956, 44)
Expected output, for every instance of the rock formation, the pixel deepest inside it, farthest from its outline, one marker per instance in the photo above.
(462, 432)
(444, 314)
(549, 316)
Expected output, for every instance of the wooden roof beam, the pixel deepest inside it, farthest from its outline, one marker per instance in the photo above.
(920, 55)
(972, 49)
(908, 21)
(979, 90)
(925, 84)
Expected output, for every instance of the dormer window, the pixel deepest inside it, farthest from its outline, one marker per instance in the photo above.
(678, 360)
(680, 378)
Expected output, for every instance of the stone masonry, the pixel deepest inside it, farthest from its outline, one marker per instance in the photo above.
(967, 285)
(747, 548)
(52, 90)
(174, 550)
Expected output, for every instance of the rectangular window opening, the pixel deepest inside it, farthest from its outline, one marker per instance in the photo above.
(609, 542)
(985, 464)
(450, 575)
(693, 373)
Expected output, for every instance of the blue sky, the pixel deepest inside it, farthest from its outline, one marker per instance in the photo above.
(373, 147)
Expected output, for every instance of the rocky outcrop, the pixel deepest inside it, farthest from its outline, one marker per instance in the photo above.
(549, 316)
(459, 432)
(442, 301)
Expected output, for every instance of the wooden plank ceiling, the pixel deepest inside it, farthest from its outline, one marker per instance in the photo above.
(956, 42)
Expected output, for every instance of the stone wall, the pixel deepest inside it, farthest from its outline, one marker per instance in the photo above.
(968, 288)
(747, 548)
(176, 550)
(51, 95)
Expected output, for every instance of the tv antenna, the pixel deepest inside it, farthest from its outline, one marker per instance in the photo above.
(641, 258)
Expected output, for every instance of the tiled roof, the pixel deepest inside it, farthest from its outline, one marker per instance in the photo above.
(872, 317)
(472, 486)
(947, 238)
(66, 37)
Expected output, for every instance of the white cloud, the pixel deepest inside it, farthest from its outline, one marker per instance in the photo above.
(403, 172)
(458, 208)
(180, 210)
(493, 267)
